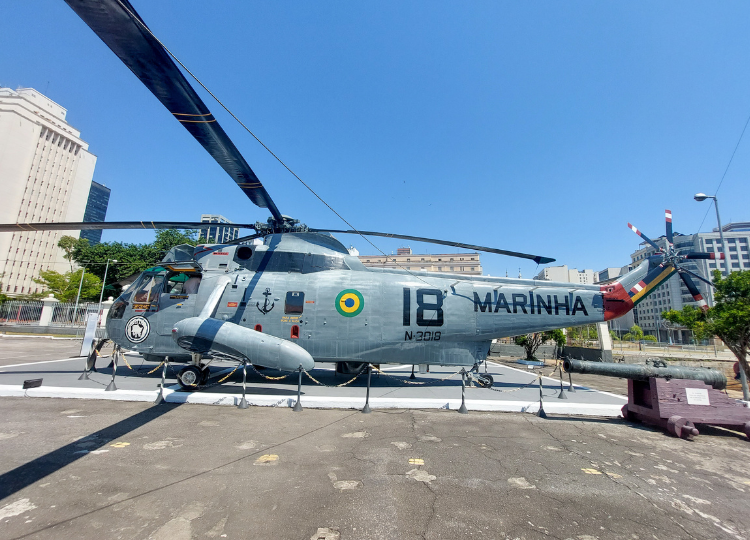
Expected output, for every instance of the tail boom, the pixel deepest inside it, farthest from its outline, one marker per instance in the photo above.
(632, 288)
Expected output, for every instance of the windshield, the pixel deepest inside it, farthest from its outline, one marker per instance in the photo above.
(148, 288)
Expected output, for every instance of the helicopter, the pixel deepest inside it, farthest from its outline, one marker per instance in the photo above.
(288, 295)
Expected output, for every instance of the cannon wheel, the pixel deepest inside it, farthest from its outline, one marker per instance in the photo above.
(627, 415)
(681, 427)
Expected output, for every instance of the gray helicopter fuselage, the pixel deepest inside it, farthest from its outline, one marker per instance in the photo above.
(306, 288)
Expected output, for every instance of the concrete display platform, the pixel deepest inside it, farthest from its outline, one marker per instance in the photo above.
(439, 389)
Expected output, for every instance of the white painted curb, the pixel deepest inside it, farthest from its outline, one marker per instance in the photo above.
(314, 402)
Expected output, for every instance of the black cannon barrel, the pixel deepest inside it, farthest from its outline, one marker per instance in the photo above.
(640, 372)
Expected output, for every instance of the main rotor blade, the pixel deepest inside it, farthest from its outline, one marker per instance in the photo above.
(536, 258)
(646, 238)
(668, 217)
(698, 276)
(244, 239)
(702, 255)
(124, 32)
(694, 292)
(81, 226)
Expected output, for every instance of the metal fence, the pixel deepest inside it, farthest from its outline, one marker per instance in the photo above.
(15, 312)
(63, 314)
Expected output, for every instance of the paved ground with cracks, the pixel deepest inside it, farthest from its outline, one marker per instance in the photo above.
(84, 469)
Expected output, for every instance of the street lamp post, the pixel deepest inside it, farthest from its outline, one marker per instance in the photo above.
(702, 197)
(104, 282)
(78, 297)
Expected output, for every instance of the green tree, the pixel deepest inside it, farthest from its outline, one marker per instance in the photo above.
(729, 319)
(614, 336)
(582, 333)
(131, 258)
(3, 297)
(65, 286)
(69, 244)
(532, 342)
(635, 334)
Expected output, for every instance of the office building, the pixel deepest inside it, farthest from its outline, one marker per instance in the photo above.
(566, 275)
(45, 175)
(219, 234)
(96, 211)
(453, 263)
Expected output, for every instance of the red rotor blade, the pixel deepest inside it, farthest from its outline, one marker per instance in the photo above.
(646, 238)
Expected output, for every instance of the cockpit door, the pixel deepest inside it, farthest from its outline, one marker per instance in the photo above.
(177, 300)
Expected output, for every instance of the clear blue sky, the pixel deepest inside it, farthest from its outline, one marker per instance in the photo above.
(541, 127)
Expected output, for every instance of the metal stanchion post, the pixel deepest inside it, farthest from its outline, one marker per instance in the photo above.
(160, 397)
(85, 375)
(366, 408)
(561, 395)
(743, 381)
(570, 380)
(111, 387)
(298, 406)
(540, 413)
(412, 372)
(462, 409)
(243, 402)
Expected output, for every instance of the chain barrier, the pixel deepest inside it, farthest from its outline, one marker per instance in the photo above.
(100, 355)
(433, 381)
(117, 351)
(136, 371)
(228, 374)
(558, 365)
(534, 380)
(316, 381)
(271, 378)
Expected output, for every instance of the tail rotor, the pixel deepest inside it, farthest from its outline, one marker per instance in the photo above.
(677, 260)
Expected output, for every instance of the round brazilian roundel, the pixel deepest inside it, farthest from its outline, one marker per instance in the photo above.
(137, 329)
(350, 303)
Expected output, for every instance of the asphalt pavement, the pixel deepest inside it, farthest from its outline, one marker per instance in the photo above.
(80, 469)
(113, 467)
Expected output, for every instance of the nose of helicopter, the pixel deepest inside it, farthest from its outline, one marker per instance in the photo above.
(206, 335)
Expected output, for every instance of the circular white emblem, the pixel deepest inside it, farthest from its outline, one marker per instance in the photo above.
(137, 329)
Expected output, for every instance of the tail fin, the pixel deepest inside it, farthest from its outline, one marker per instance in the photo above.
(629, 290)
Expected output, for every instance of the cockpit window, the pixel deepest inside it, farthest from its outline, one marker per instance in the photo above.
(295, 302)
(182, 283)
(149, 288)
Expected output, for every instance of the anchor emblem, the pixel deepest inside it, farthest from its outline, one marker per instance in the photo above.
(265, 309)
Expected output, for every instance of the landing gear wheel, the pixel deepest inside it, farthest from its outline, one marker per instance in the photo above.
(485, 380)
(190, 378)
(205, 374)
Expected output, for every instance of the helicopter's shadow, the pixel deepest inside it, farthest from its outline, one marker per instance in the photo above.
(25, 475)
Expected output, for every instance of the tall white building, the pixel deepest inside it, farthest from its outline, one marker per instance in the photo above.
(566, 275)
(45, 175)
(218, 234)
